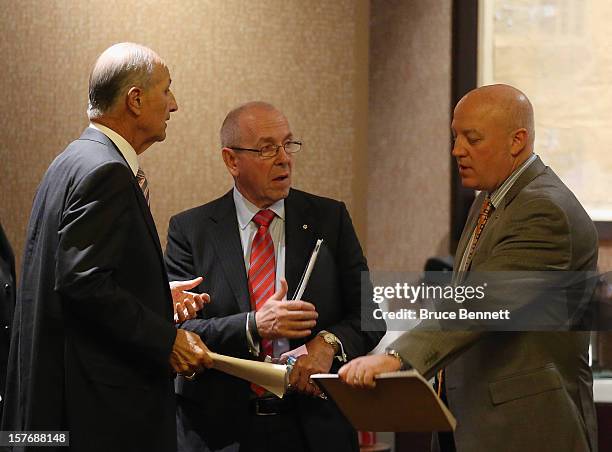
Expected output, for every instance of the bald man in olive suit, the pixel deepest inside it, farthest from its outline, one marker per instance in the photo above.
(510, 390)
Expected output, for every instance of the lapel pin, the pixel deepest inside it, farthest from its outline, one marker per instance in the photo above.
(304, 226)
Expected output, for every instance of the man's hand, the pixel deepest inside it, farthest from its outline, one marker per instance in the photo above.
(187, 304)
(360, 372)
(189, 354)
(318, 361)
(292, 319)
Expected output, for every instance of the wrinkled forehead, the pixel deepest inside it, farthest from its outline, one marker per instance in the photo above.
(264, 124)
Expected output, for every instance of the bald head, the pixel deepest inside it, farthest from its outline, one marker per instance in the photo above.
(509, 107)
(230, 132)
(494, 135)
(118, 68)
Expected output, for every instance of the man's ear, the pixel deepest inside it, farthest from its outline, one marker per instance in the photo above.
(134, 100)
(230, 158)
(519, 141)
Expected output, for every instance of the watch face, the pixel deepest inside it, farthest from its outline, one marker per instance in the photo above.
(330, 339)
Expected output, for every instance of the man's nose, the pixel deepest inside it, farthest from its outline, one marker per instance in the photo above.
(282, 156)
(457, 149)
(173, 104)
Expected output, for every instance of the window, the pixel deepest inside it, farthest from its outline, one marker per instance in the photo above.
(559, 53)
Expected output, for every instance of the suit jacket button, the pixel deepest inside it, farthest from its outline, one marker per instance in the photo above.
(7, 288)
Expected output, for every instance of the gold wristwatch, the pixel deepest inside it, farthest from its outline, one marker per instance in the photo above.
(332, 339)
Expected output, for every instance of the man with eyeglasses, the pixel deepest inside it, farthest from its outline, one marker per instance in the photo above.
(252, 246)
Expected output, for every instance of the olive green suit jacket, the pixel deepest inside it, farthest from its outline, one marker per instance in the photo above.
(519, 390)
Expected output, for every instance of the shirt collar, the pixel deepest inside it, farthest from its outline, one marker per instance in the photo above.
(125, 148)
(246, 210)
(499, 193)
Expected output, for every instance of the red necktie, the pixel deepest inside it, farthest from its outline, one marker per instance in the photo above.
(262, 269)
(262, 275)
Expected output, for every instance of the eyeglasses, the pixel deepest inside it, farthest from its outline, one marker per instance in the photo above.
(271, 150)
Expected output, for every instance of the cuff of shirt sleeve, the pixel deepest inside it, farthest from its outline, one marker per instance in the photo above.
(252, 334)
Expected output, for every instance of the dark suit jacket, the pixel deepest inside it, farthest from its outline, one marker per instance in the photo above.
(93, 324)
(205, 241)
(7, 305)
(529, 390)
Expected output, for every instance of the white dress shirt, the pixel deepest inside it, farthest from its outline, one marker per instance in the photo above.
(126, 149)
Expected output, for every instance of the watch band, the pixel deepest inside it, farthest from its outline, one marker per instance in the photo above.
(332, 339)
(253, 327)
(396, 355)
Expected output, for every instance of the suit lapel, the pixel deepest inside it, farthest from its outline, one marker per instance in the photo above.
(96, 135)
(300, 238)
(226, 240)
(534, 170)
(299, 243)
(146, 213)
(525, 178)
(468, 229)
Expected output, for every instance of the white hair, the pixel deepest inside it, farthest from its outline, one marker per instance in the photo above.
(117, 69)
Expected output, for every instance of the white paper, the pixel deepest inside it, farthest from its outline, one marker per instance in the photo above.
(267, 375)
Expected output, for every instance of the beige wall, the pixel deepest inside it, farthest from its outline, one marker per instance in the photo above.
(388, 161)
(308, 58)
(408, 200)
(605, 257)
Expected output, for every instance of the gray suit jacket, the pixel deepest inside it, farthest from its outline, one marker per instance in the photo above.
(519, 390)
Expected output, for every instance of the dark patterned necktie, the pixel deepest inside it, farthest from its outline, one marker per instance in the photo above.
(483, 217)
(144, 186)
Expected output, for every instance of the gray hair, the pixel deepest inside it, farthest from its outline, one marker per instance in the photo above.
(230, 130)
(117, 69)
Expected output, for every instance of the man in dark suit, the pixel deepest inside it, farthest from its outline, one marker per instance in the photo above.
(246, 259)
(94, 344)
(511, 390)
(7, 305)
